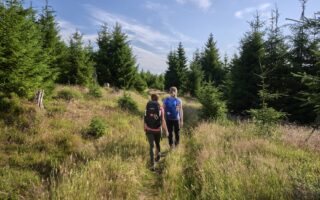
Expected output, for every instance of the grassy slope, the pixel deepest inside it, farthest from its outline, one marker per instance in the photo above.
(232, 162)
(44, 155)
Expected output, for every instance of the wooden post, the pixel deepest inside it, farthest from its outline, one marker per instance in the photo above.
(39, 98)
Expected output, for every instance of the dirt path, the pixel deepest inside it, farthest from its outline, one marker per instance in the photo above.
(153, 183)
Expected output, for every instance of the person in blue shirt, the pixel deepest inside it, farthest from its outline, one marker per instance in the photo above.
(174, 116)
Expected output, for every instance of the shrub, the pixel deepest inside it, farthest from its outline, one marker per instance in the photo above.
(140, 85)
(95, 91)
(11, 104)
(68, 94)
(127, 103)
(14, 112)
(97, 127)
(212, 105)
(266, 118)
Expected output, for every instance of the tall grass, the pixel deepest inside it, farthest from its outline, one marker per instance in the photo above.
(56, 159)
(45, 155)
(234, 163)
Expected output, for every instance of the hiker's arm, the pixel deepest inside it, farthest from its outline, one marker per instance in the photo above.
(164, 124)
(145, 127)
(181, 115)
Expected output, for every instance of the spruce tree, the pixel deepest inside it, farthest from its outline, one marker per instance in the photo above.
(103, 55)
(310, 96)
(121, 65)
(226, 84)
(196, 75)
(245, 82)
(79, 69)
(177, 73)
(303, 61)
(182, 70)
(23, 65)
(210, 63)
(52, 43)
(278, 78)
(172, 71)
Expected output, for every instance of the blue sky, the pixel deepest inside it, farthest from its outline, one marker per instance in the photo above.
(156, 27)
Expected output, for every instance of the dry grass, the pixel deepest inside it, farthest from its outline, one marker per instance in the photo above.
(301, 137)
(49, 157)
(58, 150)
(235, 164)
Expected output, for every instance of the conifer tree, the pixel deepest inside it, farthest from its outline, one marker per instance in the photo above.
(79, 69)
(177, 73)
(121, 65)
(226, 84)
(172, 71)
(196, 75)
(210, 63)
(278, 78)
(245, 82)
(310, 79)
(53, 46)
(182, 70)
(303, 61)
(23, 65)
(103, 55)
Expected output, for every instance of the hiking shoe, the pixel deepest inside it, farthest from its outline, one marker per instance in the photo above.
(153, 167)
(157, 157)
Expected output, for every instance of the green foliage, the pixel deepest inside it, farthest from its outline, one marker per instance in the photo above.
(115, 62)
(182, 69)
(127, 103)
(246, 167)
(277, 64)
(176, 75)
(97, 127)
(152, 80)
(195, 76)
(15, 183)
(140, 85)
(95, 91)
(79, 67)
(170, 77)
(266, 118)
(23, 64)
(68, 94)
(11, 104)
(102, 57)
(51, 41)
(304, 43)
(245, 82)
(212, 105)
(210, 63)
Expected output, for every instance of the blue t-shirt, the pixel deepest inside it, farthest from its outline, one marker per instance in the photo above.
(172, 106)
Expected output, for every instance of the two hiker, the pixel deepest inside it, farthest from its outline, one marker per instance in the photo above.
(168, 119)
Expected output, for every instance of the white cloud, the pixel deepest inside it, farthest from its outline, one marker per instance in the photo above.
(262, 9)
(202, 4)
(66, 29)
(155, 6)
(136, 31)
(90, 37)
(149, 45)
(155, 63)
(141, 33)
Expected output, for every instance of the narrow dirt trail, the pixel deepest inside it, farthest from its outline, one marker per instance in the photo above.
(153, 183)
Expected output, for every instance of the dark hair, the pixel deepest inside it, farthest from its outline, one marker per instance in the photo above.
(154, 97)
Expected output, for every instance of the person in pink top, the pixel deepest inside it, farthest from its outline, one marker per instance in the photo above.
(154, 124)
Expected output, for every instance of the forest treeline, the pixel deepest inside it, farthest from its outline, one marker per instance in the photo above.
(271, 70)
